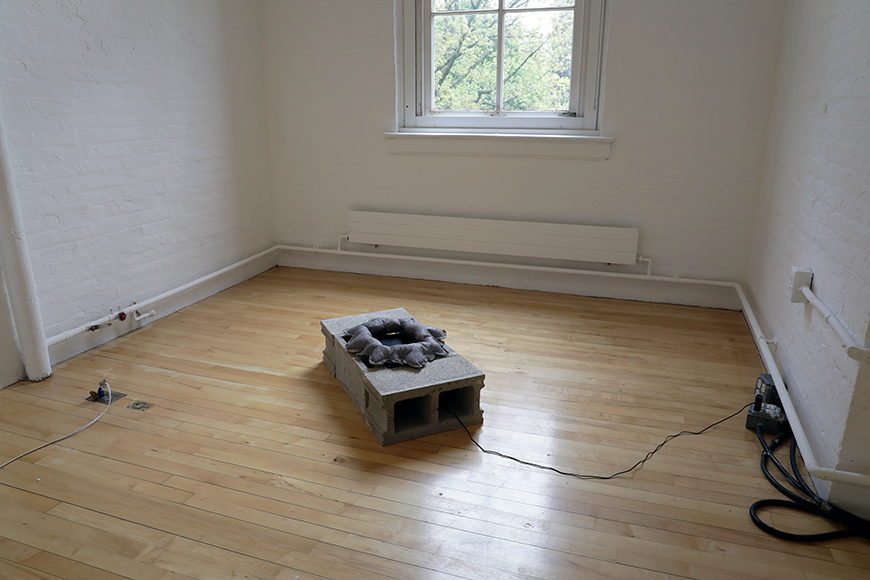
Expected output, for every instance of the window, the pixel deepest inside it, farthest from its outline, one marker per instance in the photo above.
(517, 66)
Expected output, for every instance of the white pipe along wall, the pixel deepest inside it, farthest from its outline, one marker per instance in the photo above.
(21, 287)
(134, 309)
(809, 457)
(853, 349)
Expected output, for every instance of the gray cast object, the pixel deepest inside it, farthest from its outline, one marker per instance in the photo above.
(426, 345)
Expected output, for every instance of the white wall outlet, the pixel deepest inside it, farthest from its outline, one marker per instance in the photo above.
(800, 277)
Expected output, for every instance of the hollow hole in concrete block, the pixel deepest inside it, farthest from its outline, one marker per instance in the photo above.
(411, 413)
(395, 338)
(460, 401)
(366, 397)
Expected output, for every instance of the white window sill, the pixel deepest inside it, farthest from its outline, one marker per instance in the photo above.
(530, 145)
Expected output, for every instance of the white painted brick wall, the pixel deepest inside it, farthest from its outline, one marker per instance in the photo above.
(815, 213)
(11, 365)
(138, 140)
(687, 94)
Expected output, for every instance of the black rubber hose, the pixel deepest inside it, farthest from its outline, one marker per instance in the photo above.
(853, 525)
(808, 508)
(768, 454)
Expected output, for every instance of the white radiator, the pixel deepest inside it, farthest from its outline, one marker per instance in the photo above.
(610, 245)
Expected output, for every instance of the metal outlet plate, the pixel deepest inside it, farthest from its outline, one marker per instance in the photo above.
(105, 400)
(140, 406)
(800, 277)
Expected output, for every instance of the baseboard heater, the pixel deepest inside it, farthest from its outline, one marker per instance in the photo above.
(522, 239)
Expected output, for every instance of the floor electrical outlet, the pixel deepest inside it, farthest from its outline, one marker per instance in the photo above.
(104, 399)
(140, 406)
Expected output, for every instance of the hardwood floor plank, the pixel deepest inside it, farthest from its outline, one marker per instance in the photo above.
(176, 519)
(20, 572)
(199, 560)
(253, 462)
(77, 542)
(157, 540)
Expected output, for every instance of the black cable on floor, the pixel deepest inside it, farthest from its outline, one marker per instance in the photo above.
(585, 476)
(805, 500)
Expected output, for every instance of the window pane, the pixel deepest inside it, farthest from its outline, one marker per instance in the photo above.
(451, 5)
(537, 70)
(537, 3)
(464, 50)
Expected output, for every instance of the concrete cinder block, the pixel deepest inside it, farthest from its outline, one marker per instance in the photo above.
(402, 403)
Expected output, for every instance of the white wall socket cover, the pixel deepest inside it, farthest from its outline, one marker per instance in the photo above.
(800, 277)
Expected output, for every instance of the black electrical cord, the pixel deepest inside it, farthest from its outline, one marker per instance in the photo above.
(853, 526)
(584, 476)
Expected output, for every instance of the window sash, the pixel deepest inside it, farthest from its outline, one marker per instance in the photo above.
(501, 12)
(585, 82)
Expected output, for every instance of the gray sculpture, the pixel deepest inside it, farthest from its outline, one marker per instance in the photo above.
(400, 341)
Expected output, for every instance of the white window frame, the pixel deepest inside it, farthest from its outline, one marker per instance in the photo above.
(587, 74)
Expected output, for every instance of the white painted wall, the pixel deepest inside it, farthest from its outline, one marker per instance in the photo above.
(688, 90)
(11, 365)
(814, 212)
(137, 134)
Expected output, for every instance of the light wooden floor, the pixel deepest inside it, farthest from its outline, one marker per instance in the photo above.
(253, 463)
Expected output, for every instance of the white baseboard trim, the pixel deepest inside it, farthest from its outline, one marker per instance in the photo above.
(578, 282)
(166, 304)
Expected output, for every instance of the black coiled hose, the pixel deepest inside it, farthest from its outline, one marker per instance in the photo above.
(809, 502)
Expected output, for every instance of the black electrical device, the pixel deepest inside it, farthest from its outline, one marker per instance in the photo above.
(767, 411)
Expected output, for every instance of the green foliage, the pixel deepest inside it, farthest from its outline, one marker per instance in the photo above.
(537, 57)
(465, 73)
(446, 5)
